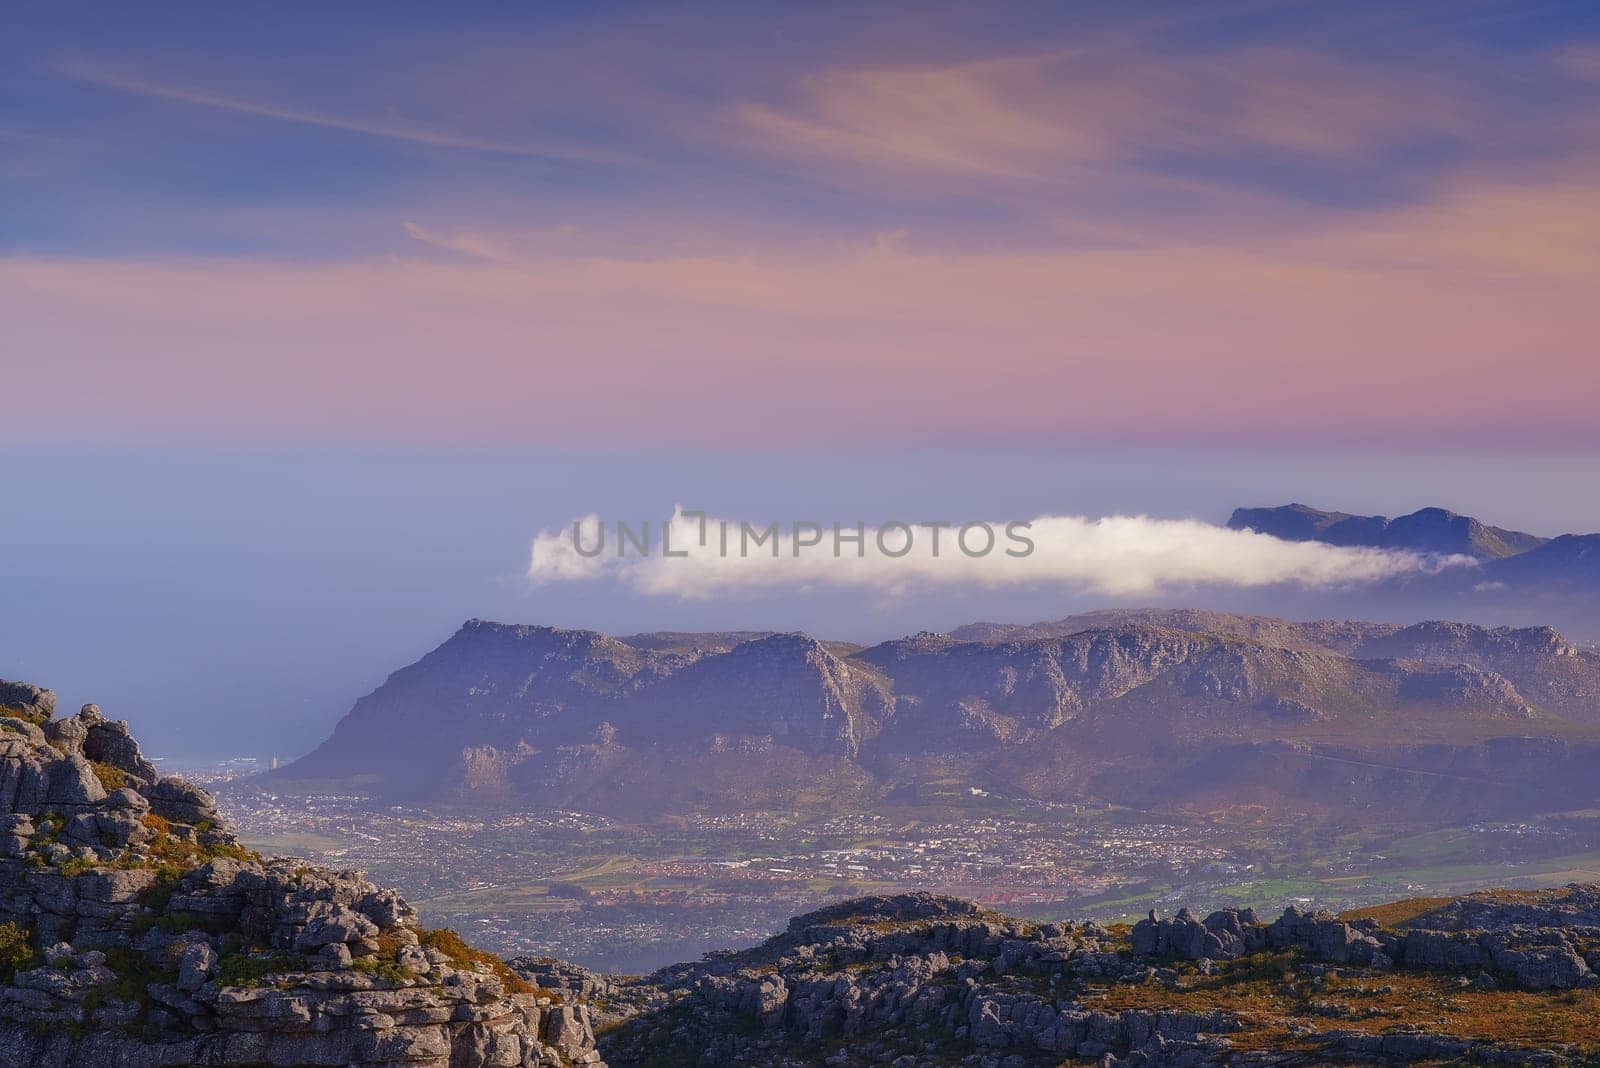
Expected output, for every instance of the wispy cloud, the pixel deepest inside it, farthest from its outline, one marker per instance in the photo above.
(474, 244)
(1112, 556)
(1044, 115)
(960, 117)
(419, 135)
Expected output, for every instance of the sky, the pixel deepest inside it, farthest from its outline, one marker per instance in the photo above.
(533, 224)
(314, 317)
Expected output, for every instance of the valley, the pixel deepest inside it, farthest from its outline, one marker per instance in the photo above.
(629, 897)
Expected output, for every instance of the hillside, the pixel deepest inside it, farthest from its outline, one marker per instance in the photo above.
(1151, 708)
(136, 931)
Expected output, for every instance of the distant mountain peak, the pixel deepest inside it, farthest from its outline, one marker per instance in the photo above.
(1430, 530)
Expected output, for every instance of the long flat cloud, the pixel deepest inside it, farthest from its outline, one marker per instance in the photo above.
(1114, 555)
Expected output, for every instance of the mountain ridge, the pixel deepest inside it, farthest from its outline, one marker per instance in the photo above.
(1111, 706)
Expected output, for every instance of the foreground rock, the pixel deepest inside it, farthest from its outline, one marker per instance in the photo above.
(134, 931)
(918, 980)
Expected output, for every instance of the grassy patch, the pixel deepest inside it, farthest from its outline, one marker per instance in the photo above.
(111, 778)
(168, 851)
(13, 712)
(1398, 914)
(1271, 997)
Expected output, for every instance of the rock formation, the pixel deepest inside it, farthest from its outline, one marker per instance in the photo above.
(136, 931)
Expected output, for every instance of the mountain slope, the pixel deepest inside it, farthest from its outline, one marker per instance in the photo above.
(486, 686)
(1570, 562)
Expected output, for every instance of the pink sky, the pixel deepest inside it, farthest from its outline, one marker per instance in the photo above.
(1004, 256)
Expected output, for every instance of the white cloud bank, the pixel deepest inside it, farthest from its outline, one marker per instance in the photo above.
(1115, 555)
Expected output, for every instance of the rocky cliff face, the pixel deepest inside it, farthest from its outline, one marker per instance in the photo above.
(956, 696)
(134, 930)
(786, 686)
(919, 981)
(1283, 659)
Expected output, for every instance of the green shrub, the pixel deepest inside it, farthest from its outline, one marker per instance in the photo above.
(75, 866)
(133, 976)
(246, 969)
(16, 950)
(159, 893)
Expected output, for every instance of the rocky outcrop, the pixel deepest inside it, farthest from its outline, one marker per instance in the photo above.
(1574, 906)
(888, 980)
(917, 981)
(135, 930)
(1222, 935)
(1548, 940)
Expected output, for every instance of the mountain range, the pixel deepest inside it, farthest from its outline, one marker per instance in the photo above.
(1189, 709)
